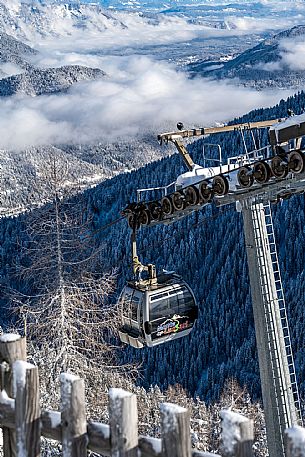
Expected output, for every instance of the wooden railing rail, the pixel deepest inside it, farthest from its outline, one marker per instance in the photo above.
(23, 423)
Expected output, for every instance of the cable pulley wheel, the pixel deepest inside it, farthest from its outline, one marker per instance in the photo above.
(178, 201)
(145, 217)
(191, 195)
(261, 172)
(296, 162)
(279, 167)
(245, 177)
(155, 210)
(220, 185)
(205, 192)
(133, 221)
(167, 206)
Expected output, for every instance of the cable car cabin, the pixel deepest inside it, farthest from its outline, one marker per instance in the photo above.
(157, 313)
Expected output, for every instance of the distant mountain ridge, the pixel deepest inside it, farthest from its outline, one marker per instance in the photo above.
(92, 162)
(47, 81)
(250, 66)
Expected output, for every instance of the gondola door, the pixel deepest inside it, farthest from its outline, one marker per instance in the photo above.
(159, 314)
(131, 332)
(134, 312)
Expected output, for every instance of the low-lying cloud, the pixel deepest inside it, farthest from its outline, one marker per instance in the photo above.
(128, 30)
(291, 56)
(139, 95)
(293, 53)
(251, 24)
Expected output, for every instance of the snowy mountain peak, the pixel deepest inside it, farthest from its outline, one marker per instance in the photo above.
(33, 19)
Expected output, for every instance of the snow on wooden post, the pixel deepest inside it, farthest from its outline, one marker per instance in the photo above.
(7, 410)
(73, 416)
(27, 409)
(237, 435)
(295, 442)
(123, 418)
(12, 348)
(175, 426)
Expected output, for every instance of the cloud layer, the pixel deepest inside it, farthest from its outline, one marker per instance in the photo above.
(142, 95)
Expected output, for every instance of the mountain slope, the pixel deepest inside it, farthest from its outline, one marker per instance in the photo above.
(253, 67)
(267, 51)
(23, 173)
(47, 81)
(89, 164)
(10, 47)
(14, 52)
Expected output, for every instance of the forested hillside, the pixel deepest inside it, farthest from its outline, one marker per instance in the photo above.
(262, 66)
(47, 81)
(207, 248)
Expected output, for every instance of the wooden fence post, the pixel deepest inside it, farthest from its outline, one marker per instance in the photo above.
(237, 435)
(295, 442)
(27, 409)
(175, 429)
(12, 348)
(123, 418)
(73, 416)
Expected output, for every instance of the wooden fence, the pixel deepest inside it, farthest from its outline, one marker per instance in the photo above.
(23, 423)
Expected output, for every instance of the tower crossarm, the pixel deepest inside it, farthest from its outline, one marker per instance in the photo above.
(202, 131)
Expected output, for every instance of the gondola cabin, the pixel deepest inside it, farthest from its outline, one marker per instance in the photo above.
(157, 313)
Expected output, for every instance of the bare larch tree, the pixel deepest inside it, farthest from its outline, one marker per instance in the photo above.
(65, 309)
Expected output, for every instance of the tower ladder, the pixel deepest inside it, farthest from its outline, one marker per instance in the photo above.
(283, 313)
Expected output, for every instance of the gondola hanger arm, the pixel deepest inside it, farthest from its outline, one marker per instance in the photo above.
(137, 265)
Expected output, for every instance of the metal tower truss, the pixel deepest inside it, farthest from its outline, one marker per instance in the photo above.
(277, 371)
